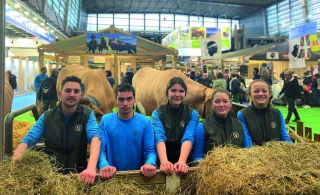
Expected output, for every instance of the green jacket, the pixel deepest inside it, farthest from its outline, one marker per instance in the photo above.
(219, 83)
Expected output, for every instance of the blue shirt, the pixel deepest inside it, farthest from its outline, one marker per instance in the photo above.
(284, 136)
(199, 143)
(189, 134)
(111, 81)
(38, 80)
(126, 144)
(37, 130)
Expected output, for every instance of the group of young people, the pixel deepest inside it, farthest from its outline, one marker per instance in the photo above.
(171, 140)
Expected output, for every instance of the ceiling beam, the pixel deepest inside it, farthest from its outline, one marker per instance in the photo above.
(221, 3)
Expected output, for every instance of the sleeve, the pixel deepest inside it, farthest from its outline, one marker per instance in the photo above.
(282, 90)
(92, 127)
(198, 144)
(35, 83)
(284, 135)
(150, 153)
(247, 141)
(35, 133)
(191, 128)
(102, 162)
(158, 128)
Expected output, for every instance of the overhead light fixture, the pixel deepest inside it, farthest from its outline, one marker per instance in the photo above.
(47, 27)
(42, 24)
(26, 13)
(35, 19)
(16, 5)
(52, 31)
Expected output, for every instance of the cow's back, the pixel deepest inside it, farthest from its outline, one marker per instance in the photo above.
(8, 95)
(96, 85)
(150, 86)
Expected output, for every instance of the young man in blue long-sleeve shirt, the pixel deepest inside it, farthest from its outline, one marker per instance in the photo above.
(127, 139)
(68, 125)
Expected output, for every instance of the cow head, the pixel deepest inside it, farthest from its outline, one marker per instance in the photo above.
(98, 113)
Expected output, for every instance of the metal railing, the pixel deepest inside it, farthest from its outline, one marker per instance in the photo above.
(9, 125)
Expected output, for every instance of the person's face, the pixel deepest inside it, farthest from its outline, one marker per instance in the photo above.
(197, 74)
(287, 76)
(176, 95)
(260, 94)
(205, 76)
(125, 102)
(44, 70)
(235, 72)
(70, 94)
(221, 104)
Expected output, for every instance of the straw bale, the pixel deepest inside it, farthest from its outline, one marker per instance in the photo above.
(20, 129)
(36, 173)
(275, 168)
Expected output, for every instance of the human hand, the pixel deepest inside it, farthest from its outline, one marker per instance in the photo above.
(88, 176)
(107, 172)
(166, 168)
(181, 167)
(148, 170)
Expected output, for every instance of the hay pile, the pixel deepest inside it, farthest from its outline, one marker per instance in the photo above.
(19, 130)
(35, 174)
(275, 168)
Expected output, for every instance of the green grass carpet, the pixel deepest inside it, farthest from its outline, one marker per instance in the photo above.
(309, 116)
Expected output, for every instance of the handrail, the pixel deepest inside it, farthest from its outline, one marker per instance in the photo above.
(9, 125)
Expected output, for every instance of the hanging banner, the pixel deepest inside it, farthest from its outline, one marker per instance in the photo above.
(111, 43)
(99, 59)
(24, 23)
(211, 49)
(303, 30)
(273, 55)
(226, 38)
(314, 42)
(296, 60)
(305, 47)
(74, 59)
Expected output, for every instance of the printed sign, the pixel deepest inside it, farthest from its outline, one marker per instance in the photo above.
(20, 21)
(111, 43)
(273, 55)
(74, 59)
(99, 59)
(303, 30)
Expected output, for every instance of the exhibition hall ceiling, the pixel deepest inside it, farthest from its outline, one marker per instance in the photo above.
(231, 9)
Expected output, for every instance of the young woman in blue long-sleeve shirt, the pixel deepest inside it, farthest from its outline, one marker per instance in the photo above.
(174, 125)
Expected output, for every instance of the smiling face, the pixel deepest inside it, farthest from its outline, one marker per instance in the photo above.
(260, 94)
(176, 95)
(221, 104)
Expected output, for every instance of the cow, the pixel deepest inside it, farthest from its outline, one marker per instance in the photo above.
(197, 33)
(8, 95)
(98, 94)
(150, 86)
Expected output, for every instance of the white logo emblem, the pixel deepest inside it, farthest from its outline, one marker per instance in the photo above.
(235, 134)
(273, 125)
(78, 128)
(182, 123)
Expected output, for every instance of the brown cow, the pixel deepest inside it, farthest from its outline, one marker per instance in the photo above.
(150, 86)
(98, 94)
(8, 95)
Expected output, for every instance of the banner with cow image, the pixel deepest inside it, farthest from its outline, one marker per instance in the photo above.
(103, 43)
(295, 55)
(211, 48)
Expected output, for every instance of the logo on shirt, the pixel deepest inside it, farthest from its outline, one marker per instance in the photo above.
(134, 133)
(273, 125)
(78, 128)
(182, 123)
(235, 135)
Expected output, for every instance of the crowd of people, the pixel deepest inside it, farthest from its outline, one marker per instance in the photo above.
(170, 141)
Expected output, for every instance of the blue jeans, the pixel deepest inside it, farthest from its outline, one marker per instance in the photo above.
(315, 93)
